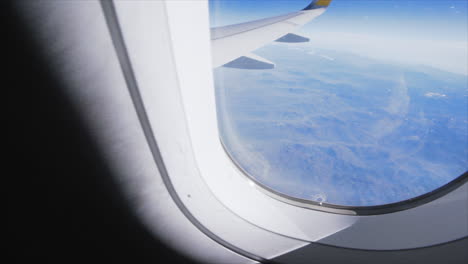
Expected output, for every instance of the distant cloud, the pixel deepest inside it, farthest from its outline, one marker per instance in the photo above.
(314, 53)
(326, 57)
(437, 53)
(435, 95)
(413, 138)
(292, 47)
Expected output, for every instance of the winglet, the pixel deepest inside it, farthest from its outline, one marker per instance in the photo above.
(318, 4)
(250, 62)
(292, 38)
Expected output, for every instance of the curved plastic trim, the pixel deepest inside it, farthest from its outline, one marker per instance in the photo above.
(124, 60)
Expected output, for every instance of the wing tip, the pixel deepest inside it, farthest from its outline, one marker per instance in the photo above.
(317, 4)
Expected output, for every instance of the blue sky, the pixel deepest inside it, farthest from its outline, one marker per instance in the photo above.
(432, 33)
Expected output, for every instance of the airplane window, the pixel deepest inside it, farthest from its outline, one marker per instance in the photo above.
(361, 103)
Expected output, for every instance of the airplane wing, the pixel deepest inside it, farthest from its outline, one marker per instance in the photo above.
(231, 45)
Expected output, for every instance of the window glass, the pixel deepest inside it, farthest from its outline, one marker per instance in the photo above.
(372, 110)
